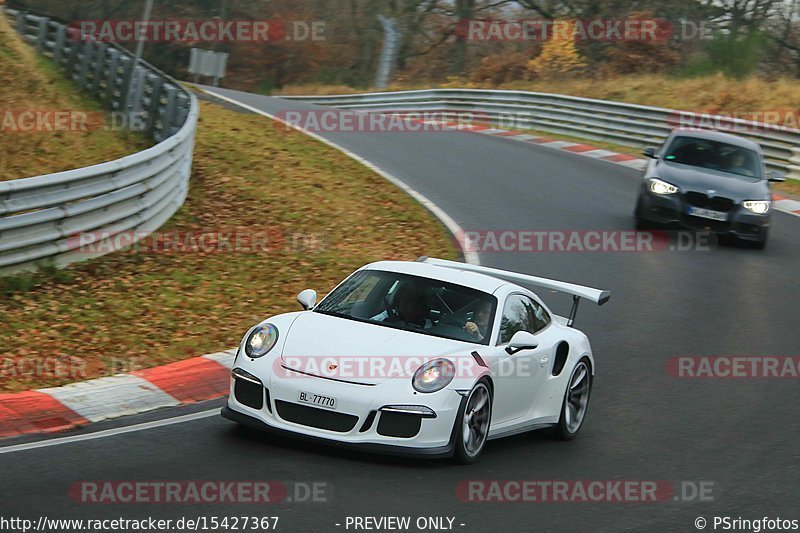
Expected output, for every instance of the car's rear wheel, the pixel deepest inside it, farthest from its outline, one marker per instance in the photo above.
(576, 401)
(472, 424)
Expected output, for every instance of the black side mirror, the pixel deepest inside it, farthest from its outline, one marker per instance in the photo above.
(775, 177)
(649, 152)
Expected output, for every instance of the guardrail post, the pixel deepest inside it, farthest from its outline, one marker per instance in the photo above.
(168, 111)
(99, 63)
(22, 22)
(73, 63)
(112, 77)
(156, 85)
(794, 164)
(88, 50)
(134, 103)
(60, 43)
(41, 36)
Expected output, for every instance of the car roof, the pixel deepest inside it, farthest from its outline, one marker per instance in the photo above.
(717, 136)
(481, 282)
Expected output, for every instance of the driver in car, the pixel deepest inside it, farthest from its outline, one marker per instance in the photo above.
(409, 307)
(738, 165)
(479, 327)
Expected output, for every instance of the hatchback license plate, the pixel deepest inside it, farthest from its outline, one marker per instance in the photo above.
(708, 213)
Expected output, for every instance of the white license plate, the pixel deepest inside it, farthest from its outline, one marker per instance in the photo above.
(318, 400)
(708, 213)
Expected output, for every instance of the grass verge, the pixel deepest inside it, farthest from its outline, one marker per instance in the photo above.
(325, 215)
(31, 83)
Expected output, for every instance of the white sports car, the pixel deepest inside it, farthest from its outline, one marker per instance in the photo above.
(427, 358)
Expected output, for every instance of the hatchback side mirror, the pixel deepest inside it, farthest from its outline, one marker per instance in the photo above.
(650, 152)
(522, 340)
(308, 299)
(775, 177)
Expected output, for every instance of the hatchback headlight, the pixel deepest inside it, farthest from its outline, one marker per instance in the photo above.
(434, 375)
(661, 187)
(759, 207)
(261, 340)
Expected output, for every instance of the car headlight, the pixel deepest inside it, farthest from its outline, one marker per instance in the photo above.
(759, 207)
(661, 187)
(434, 376)
(261, 340)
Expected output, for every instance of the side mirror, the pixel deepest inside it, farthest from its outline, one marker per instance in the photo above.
(649, 152)
(308, 299)
(775, 177)
(522, 340)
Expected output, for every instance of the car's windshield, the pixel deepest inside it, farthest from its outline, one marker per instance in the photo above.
(412, 303)
(714, 155)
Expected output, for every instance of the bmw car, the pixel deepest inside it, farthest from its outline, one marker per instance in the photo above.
(428, 358)
(708, 181)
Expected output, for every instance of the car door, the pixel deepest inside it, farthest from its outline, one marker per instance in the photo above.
(519, 377)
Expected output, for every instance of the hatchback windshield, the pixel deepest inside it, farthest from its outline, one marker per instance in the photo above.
(415, 304)
(714, 155)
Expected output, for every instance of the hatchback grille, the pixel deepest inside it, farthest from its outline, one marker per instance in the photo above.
(315, 418)
(715, 203)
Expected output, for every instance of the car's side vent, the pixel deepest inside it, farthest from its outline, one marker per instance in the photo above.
(562, 352)
(368, 422)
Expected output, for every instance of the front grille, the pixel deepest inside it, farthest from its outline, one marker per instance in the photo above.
(400, 425)
(715, 203)
(315, 418)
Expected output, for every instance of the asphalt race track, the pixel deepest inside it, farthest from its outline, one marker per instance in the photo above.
(740, 435)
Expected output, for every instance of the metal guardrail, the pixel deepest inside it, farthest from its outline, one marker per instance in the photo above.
(53, 218)
(619, 123)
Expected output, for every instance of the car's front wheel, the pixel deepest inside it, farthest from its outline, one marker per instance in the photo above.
(472, 424)
(576, 401)
(640, 221)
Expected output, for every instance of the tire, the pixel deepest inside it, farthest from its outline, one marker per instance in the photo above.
(640, 222)
(472, 424)
(576, 401)
(760, 245)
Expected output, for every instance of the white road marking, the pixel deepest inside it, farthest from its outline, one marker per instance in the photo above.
(110, 432)
(470, 256)
(224, 358)
(111, 397)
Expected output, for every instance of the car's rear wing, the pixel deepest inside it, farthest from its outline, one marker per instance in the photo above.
(597, 296)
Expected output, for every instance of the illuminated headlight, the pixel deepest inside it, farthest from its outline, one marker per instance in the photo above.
(759, 207)
(434, 376)
(661, 187)
(260, 341)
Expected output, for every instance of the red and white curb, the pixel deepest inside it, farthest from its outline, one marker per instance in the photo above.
(781, 203)
(60, 408)
(787, 205)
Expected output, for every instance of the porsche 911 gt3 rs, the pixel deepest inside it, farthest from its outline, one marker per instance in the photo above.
(427, 358)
